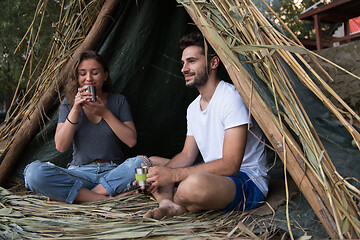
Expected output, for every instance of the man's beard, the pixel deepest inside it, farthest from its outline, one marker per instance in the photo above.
(200, 80)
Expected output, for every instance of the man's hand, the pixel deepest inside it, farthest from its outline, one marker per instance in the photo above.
(157, 176)
(160, 176)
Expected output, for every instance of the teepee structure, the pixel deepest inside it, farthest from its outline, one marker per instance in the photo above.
(262, 63)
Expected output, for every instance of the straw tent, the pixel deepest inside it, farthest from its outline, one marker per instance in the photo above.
(139, 39)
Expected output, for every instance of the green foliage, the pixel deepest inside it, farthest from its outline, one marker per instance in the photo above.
(288, 11)
(15, 19)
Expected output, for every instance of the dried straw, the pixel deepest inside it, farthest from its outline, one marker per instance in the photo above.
(33, 217)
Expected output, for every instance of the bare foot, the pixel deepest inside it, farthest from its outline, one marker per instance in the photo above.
(165, 210)
(128, 193)
(52, 200)
(159, 161)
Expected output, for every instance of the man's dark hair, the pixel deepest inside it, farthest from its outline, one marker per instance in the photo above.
(197, 39)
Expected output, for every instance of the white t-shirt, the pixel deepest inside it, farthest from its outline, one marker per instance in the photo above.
(225, 110)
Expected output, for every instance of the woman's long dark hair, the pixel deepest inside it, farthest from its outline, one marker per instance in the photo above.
(72, 84)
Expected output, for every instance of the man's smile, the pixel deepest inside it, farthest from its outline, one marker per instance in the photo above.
(188, 75)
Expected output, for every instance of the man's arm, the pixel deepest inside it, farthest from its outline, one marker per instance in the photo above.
(185, 158)
(228, 165)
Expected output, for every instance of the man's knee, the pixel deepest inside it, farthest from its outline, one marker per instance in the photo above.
(192, 190)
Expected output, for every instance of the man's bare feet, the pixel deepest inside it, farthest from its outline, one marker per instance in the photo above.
(165, 210)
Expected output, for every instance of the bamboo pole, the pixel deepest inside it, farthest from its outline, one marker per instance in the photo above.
(307, 181)
(32, 123)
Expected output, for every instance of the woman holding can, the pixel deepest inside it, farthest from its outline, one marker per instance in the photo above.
(97, 130)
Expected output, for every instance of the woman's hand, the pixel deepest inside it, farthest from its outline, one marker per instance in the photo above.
(80, 98)
(98, 107)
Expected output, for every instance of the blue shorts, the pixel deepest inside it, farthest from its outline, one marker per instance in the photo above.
(248, 195)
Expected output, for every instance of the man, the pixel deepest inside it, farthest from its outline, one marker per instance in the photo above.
(218, 123)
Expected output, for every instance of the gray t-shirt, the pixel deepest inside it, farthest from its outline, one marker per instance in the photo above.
(97, 141)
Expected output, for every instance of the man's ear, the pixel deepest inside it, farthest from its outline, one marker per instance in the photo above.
(214, 62)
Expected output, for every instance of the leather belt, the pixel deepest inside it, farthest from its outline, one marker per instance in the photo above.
(101, 161)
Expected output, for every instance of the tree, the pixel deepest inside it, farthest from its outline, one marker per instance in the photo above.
(288, 10)
(275, 4)
(16, 17)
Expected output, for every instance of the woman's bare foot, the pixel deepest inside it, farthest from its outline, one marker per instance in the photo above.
(159, 161)
(128, 193)
(165, 210)
(52, 200)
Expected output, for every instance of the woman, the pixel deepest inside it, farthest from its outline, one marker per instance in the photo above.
(97, 129)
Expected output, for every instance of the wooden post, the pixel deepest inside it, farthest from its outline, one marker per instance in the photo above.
(289, 151)
(30, 127)
(318, 34)
(347, 30)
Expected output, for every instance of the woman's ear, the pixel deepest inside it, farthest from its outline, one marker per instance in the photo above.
(106, 76)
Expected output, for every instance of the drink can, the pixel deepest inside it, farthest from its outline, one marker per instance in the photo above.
(140, 175)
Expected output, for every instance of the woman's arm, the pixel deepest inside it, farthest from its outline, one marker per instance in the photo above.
(125, 131)
(65, 131)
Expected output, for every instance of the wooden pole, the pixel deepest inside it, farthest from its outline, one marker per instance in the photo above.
(31, 125)
(318, 34)
(347, 30)
(287, 150)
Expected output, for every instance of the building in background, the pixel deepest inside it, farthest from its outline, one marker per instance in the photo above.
(344, 12)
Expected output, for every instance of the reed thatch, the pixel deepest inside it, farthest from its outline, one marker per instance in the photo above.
(232, 27)
(30, 216)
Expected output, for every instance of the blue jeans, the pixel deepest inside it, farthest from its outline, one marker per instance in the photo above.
(64, 184)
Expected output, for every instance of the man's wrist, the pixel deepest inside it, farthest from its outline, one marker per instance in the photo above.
(178, 174)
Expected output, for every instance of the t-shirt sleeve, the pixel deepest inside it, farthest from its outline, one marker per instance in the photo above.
(235, 111)
(64, 110)
(124, 110)
(188, 133)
